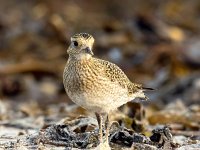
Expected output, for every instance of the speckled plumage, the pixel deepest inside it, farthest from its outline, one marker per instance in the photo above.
(98, 85)
(95, 84)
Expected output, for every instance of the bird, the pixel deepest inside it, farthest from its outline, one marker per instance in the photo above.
(97, 85)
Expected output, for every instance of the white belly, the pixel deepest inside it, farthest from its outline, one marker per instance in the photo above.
(102, 99)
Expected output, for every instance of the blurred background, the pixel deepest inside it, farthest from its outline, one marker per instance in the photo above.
(156, 43)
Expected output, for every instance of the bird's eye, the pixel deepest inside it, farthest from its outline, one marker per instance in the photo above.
(75, 43)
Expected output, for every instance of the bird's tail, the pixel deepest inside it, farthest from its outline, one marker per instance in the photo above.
(142, 95)
(140, 91)
(148, 89)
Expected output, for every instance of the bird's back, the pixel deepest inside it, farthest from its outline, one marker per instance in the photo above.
(115, 74)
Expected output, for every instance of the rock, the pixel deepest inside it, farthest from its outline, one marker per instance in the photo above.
(189, 147)
(180, 139)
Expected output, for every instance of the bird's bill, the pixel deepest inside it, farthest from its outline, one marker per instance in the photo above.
(88, 51)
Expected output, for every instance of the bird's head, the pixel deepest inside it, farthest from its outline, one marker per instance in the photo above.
(81, 46)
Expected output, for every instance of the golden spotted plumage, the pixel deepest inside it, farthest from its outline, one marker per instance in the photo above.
(95, 84)
(115, 74)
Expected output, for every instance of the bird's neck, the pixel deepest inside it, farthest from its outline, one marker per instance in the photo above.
(80, 57)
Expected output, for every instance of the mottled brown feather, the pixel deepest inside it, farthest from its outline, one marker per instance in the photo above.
(93, 83)
(115, 74)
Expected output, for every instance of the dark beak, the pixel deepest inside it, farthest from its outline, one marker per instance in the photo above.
(89, 51)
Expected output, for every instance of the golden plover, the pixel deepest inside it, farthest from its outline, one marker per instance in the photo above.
(95, 84)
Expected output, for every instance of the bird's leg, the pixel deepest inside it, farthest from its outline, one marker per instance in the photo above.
(99, 120)
(107, 126)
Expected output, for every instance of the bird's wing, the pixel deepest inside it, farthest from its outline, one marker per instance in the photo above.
(115, 74)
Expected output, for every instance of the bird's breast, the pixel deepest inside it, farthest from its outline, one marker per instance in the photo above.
(82, 77)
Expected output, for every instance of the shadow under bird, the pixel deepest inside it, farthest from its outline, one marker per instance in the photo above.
(95, 84)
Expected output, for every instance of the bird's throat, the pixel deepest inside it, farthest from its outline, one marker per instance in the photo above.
(80, 57)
